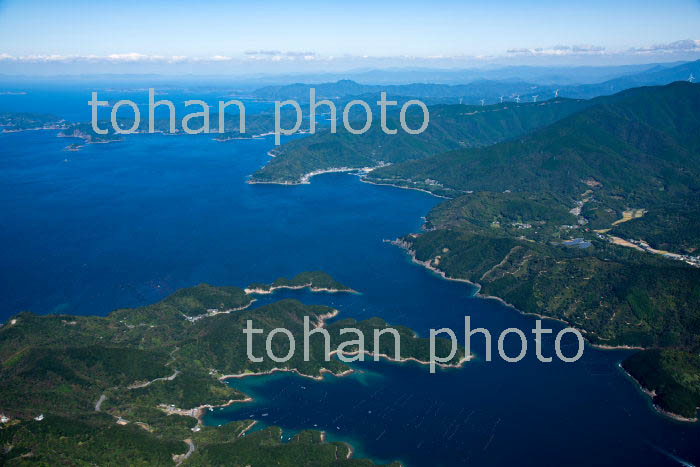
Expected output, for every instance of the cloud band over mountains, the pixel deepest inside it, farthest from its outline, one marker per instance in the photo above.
(682, 46)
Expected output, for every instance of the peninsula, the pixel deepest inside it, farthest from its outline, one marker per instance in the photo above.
(139, 379)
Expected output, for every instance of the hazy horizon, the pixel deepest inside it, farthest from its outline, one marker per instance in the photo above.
(45, 38)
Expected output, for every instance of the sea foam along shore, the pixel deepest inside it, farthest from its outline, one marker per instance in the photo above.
(426, 264)
(309, 286)
(362, 171)
(306, 178)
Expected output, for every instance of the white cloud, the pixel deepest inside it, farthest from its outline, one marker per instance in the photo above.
(559, 50)
(131, 57)
(686, 45)
(677, 47)
(279, 56)
(681, 48)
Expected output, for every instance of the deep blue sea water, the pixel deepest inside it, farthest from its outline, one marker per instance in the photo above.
(125, 224)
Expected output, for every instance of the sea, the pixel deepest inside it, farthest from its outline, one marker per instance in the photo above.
(125, 224)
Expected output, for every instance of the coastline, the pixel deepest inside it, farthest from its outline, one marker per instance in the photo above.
(198, 412)
(19, 130)
(651, 393)
(319, 324)
(322, 372)
(377, 356)
(364, 180)
(309, 286)
(305, 179)
(426, 264)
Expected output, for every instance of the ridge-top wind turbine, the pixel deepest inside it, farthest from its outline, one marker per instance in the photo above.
(691, 78)
(534, 98)
(482, 102)
(501, 99)
(517, 98)
(556, 93)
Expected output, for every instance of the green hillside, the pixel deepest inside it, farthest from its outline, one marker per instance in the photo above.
(451, 127)
(576, 221)
(641, 145)
(131, 387)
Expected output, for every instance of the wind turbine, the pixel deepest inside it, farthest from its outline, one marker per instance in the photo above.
(691, 78)
(534, 98)
(517, 98)
(501, 99)
(556, 93)
(460, 101)
(482, 102)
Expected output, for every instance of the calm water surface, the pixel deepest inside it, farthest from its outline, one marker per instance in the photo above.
(125, 224)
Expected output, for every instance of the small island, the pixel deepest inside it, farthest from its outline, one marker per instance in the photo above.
(316, 281)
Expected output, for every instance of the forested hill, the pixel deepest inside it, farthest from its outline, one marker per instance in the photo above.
(642, 145)
(451, 127)
(132, 388)
(594, 220)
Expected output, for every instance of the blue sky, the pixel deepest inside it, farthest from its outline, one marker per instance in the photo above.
(302, 33)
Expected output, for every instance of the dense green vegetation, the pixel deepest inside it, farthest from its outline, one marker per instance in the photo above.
(672, 375)
(535, 215)
(626, 166)
(307, 448)
(89, 440)
(675, 227)
(125, 388)
(618, 296)
(315, 280)
(636, 149)
(451, 127)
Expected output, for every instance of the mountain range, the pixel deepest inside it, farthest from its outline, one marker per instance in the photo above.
(506, 84)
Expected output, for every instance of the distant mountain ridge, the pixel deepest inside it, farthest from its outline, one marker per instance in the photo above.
(476, 87)
(344, 88)
(657, 75)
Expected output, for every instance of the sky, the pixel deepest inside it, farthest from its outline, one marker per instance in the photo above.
(83, 35)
